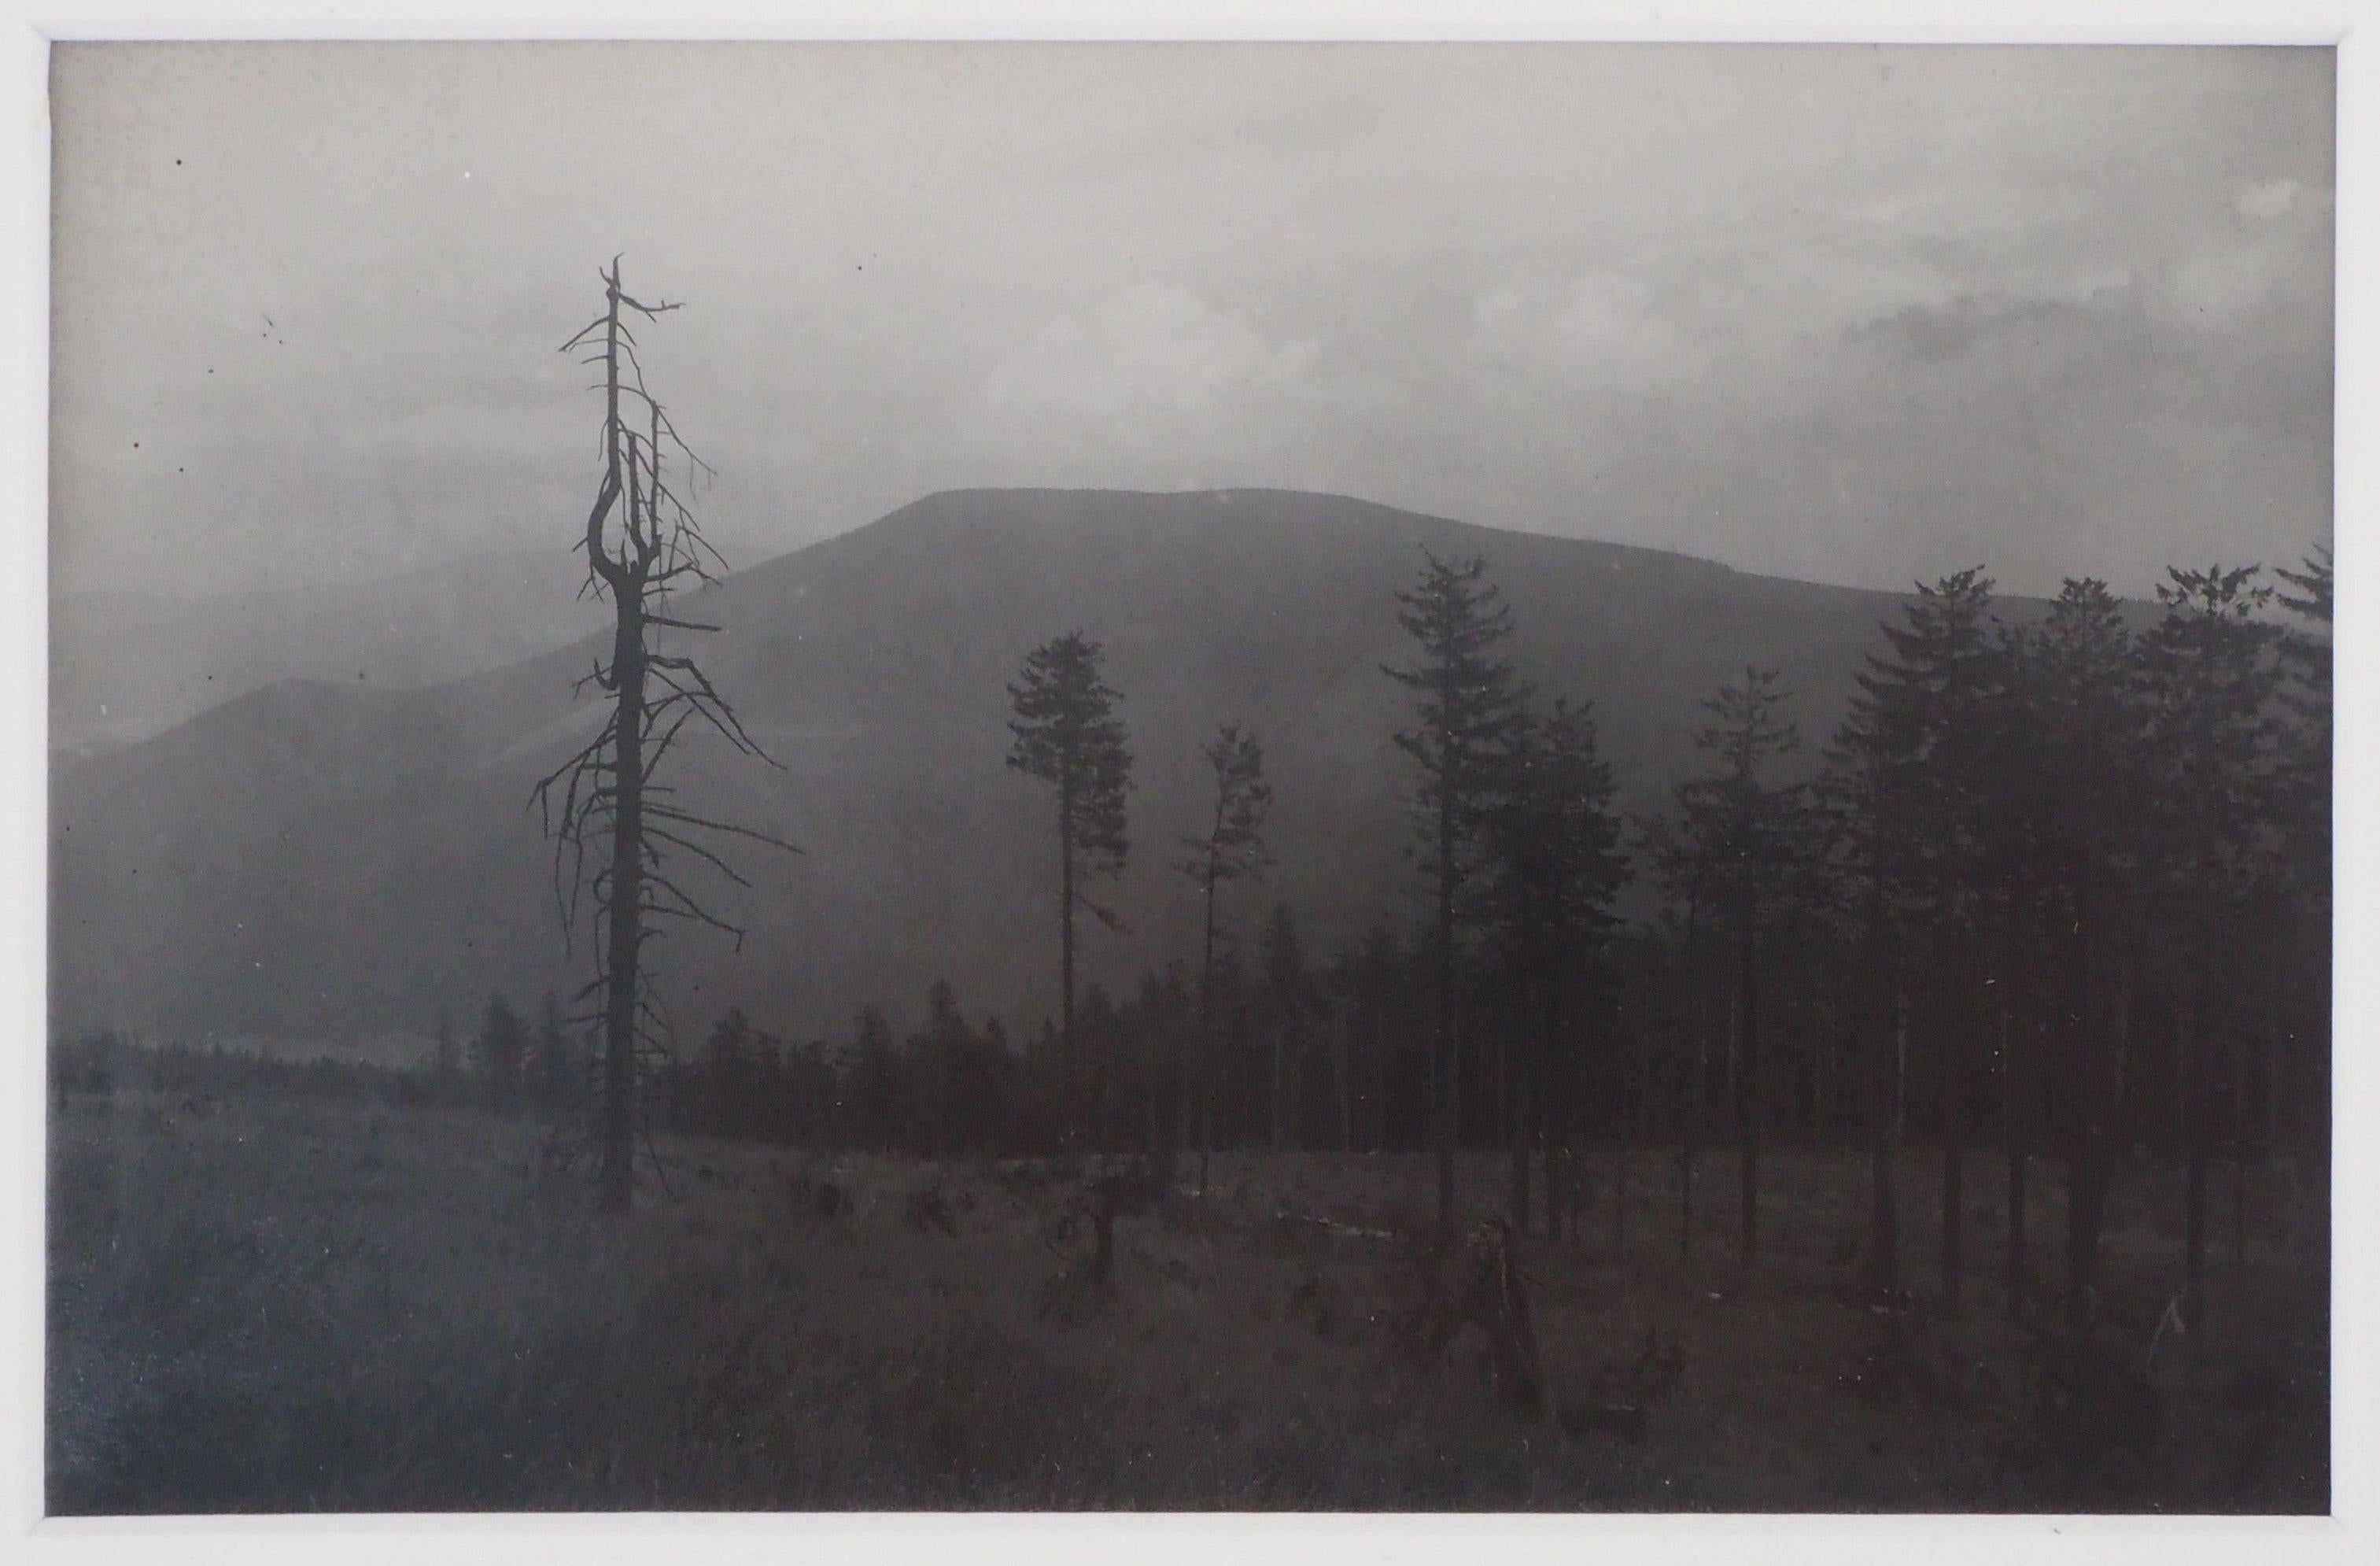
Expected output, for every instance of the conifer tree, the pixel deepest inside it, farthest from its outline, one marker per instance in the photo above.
(1935, 685)
(1066, 734)
(1748, 830)
(2306, 840)
(1554, 867)
(1232, 848)
(2086, 722)
(1866, 797)
(1465, 704)
(2215, 796)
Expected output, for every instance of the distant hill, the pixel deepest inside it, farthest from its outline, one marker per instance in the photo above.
(329, 859)
(124, 666)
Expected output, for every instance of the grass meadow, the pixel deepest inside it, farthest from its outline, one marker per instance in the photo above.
(261, 1304)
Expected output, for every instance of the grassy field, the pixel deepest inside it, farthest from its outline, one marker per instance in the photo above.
(260, 1306)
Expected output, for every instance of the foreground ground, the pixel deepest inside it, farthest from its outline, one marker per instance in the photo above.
(268, 1305)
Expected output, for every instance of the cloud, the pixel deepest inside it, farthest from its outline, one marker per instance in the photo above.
(2038, 309)
(2268, 201)
(1602, 327)
(1150, 365)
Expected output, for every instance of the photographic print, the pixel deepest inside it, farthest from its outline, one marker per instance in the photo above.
(1189, 777)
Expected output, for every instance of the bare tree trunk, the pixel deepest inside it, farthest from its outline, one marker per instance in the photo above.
(1525, 1094)
(1207, 1062)
(2120, 1115)
(2193, 1095)
(2087, 1156)
(618, 1178)
(1443, 1131)
(1623, 1139)
(617, 1181)
(2275, 1034)
(2012, 1130)
(1692, 1122)
(1516, 1136)
(2238, 1139)
(1747, 1082)
(1884, 1201)
(1069, 1070)
(1953, 1170)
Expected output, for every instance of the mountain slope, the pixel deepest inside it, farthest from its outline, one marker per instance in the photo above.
(126, 666)
(317, 861)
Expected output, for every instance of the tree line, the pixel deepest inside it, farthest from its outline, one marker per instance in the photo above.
(2053, 896)
(2057, 887)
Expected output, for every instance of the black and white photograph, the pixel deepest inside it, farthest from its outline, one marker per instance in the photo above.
(1017, 776)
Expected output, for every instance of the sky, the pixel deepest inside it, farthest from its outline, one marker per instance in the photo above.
(1852, 314)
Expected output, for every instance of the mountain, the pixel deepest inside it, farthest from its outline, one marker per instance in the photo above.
(124, 666)
(320, 860)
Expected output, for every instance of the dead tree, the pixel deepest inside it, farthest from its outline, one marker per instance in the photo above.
(641, 543)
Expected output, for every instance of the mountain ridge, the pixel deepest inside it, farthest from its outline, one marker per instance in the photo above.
(319, 861)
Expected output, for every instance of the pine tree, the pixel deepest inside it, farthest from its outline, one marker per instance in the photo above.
(2217, 796)
(2306, 842)
(1067, 735)
(2012, 820)
(1936, 686)
(1866, 794)
(1747, 830)
(1233, 847)
(2086, 722)
(1555, 865)
(1466, 703)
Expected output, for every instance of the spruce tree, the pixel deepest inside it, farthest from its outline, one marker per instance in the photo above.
(1465, 704)
(1555, 865)
(2086, 721)
(1067, 735)
(2216, 796)
(1937, 684)
(1748, 830)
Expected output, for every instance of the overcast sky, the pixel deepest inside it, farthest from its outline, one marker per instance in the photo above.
(1851, 314)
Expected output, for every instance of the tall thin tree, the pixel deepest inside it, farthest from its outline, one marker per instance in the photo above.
(1466, 703)
(1935, 681)
(642, 543)
(1554, 867)
(1748, 828)
(1067, 734)
(1865, 791)
(1232, 848)
(2087, 722)
(2212, 742)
